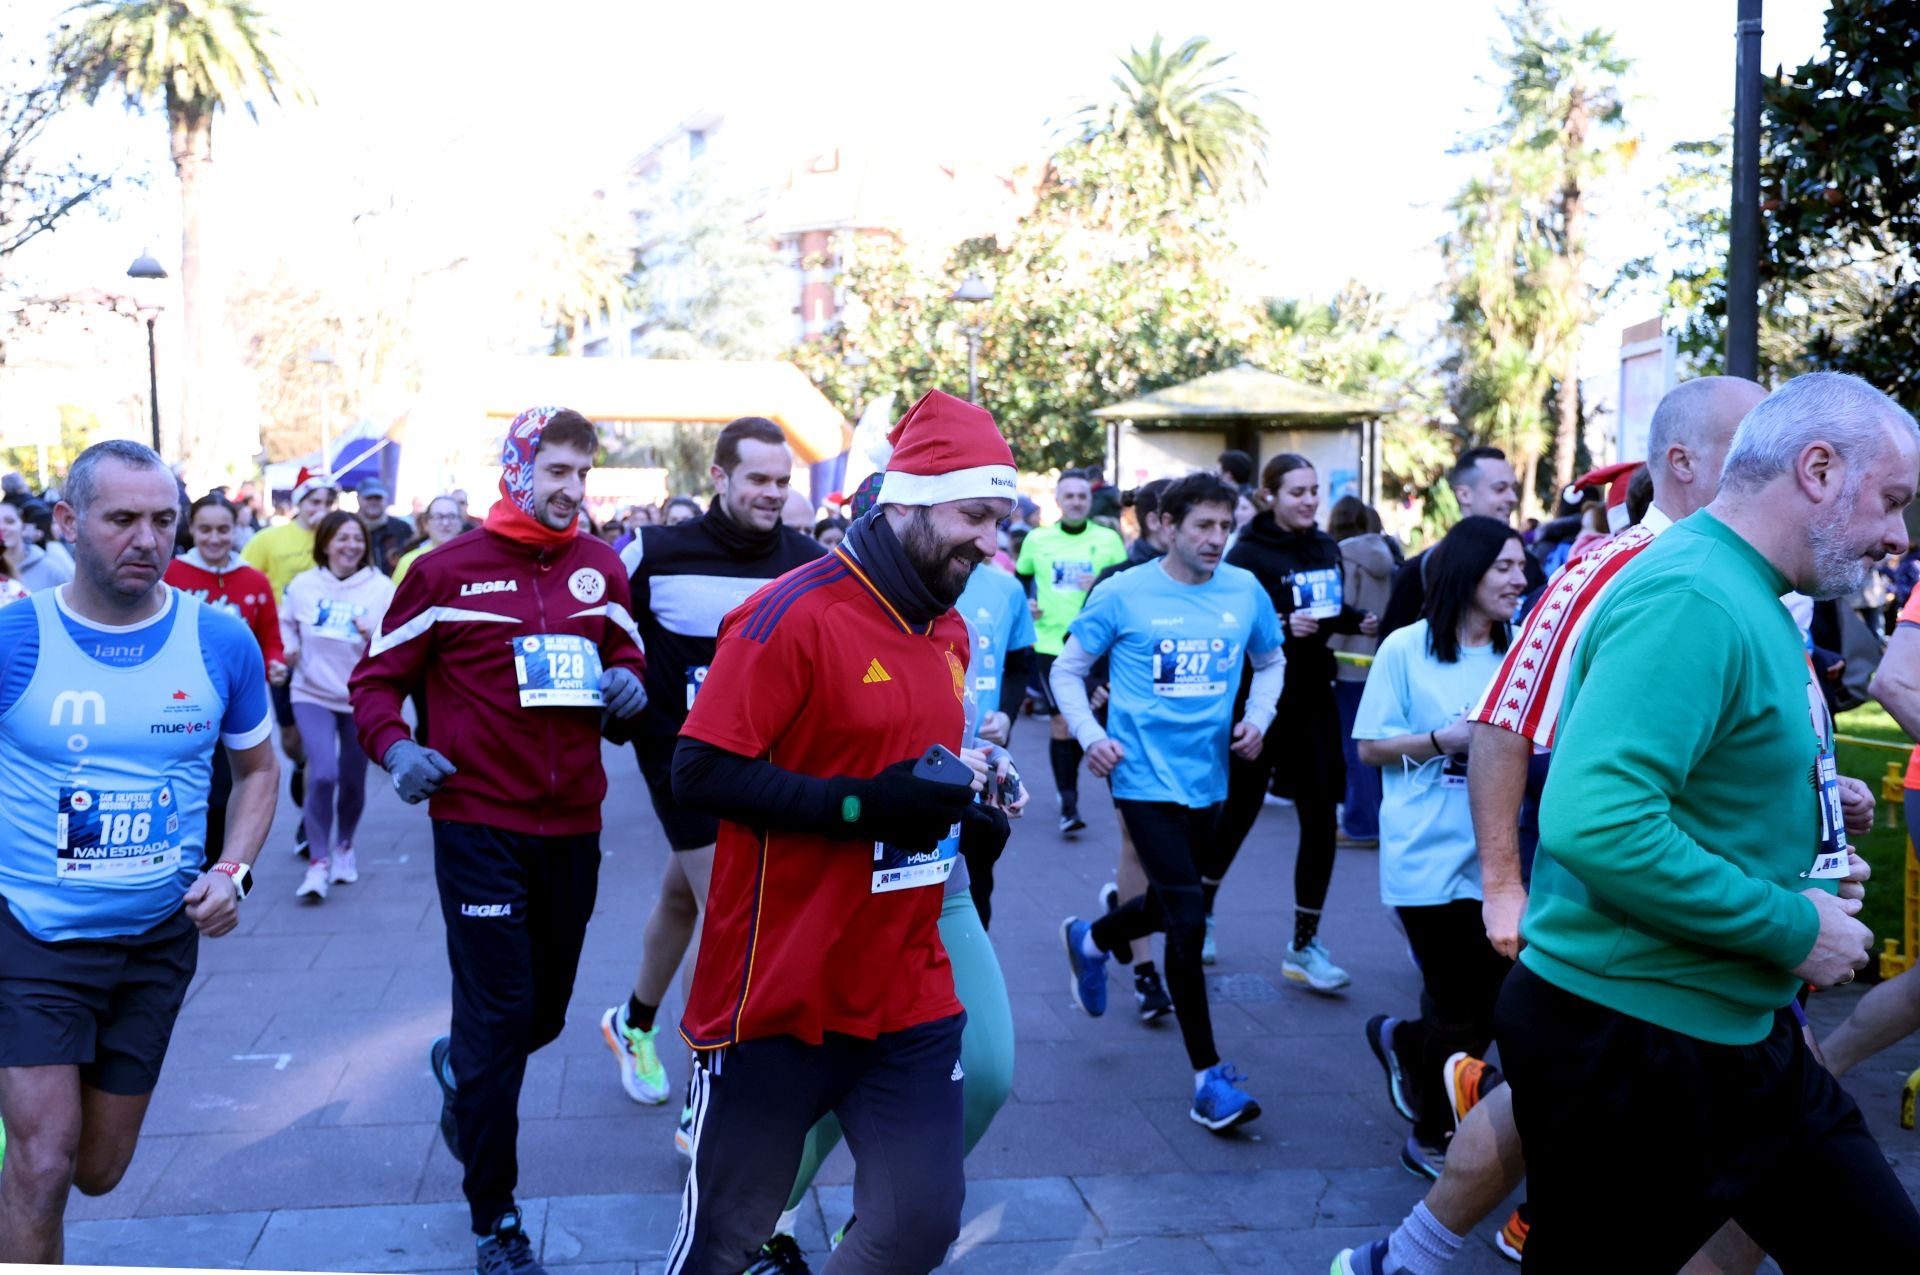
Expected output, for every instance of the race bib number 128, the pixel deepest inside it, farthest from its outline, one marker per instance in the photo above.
(557, 670)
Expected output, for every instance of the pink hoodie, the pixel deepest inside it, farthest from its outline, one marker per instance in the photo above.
(325, 623)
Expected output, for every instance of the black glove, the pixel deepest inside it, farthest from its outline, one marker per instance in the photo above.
(897, 807)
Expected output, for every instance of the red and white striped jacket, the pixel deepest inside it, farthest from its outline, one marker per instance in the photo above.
(1524, 696)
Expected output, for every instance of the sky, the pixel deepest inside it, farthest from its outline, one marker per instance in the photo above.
(480, 121)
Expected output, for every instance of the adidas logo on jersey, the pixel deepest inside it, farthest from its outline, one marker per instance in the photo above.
(876, 674)
(489, 586)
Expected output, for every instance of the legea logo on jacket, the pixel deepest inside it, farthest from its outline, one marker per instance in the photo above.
(476, 587)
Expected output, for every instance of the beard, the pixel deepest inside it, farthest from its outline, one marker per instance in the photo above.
(943, 566)
(1839, 567)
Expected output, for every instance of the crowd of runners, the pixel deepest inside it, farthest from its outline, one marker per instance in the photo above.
(1616, 896)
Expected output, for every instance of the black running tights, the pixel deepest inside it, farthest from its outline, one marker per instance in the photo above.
(1167, 836)
(1316, 810)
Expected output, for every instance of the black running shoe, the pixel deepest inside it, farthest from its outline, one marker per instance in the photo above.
(1150, 994)
(507, 1251)
(437, 1059)
(1399, 1086)
(780, 1255)
(1070, 820)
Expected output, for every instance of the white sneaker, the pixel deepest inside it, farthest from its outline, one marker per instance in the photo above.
(341, 869)
(314, 884)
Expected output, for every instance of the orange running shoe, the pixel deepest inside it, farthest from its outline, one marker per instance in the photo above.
(1465, 1077)
(1512, 1239)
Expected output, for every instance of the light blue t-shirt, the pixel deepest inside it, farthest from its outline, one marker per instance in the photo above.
(1427, 852)
(995, 607)
(106, 757)
(1173, 652)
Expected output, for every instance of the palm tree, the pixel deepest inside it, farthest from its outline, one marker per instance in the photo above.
(193, 59)
(1562, 90)
(1181, 106)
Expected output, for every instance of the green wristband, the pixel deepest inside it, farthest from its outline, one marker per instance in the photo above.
(850, 809)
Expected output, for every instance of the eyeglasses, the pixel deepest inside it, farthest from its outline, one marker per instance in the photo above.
(443, 517)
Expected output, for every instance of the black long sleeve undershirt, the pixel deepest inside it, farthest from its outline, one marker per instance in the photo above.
(751, 791)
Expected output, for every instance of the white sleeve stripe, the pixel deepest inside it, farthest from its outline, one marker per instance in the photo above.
(619, 615)
(248, 739)
(630, 556)
(427, 619)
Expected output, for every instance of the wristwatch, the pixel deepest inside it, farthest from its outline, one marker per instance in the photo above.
(238, 873)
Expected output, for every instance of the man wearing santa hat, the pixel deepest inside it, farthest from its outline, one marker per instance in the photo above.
(281, 553)
(822, 985)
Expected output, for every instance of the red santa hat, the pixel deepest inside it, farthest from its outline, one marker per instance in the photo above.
(944, 449)
(1617, 479)
(308, 482)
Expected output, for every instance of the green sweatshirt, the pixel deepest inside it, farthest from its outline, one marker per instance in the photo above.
(1680, 812)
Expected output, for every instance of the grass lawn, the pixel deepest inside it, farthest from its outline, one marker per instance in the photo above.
(1886, 849)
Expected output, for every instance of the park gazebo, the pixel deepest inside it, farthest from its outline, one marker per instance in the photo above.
(1185, 427)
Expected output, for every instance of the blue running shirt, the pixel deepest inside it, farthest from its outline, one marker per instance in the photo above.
(1174, 653)
(995, 607)
(106, 757)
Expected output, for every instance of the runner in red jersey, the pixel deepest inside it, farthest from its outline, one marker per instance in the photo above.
(214, 573)
(822, 984)
(1519, 712)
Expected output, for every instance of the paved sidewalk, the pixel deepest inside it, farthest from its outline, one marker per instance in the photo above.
(294, 1127)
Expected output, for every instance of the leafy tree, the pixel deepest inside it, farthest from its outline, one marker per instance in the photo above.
(36, 192)
(1352, 345)
(1562, 102)
(1183, 105)
(1695, 201)
(1505, 319)
(1111, 287)
(707, 282)
(191, 59)
(1841, 188)
(581, 272)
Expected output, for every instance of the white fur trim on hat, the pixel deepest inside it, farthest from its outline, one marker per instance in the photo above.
(993, 482)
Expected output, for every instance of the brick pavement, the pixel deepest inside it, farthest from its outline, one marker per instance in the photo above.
(294, 1127)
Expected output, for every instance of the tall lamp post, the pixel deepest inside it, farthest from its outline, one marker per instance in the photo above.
(145, 267)
(971, 292)
(1743, 240)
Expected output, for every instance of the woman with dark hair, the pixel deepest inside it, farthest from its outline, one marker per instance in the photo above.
(680, 509)
(1412, 721)
(330, 616)
(1299, 566)
(830, 530)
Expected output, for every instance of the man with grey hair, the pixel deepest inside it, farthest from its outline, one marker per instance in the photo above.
(112, 692)
(1694, 873)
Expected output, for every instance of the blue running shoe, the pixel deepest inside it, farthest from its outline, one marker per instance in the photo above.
(1423, 1160)
(1370, 1259)
(1399, 1089)
(1089, 972)
(1220, 1104)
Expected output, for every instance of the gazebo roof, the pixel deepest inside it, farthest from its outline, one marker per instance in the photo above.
(1239, 394)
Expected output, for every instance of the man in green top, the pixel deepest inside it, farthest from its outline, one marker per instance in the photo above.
(1691, 842)
(1058, 565)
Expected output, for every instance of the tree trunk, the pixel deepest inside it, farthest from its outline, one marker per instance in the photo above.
(192, 144)
(1573, 251)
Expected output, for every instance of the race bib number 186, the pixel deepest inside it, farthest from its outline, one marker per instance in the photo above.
(127, 837)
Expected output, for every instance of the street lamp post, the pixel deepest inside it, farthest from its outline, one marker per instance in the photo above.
(971, 292)
(1743, 239)
(145, 267)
